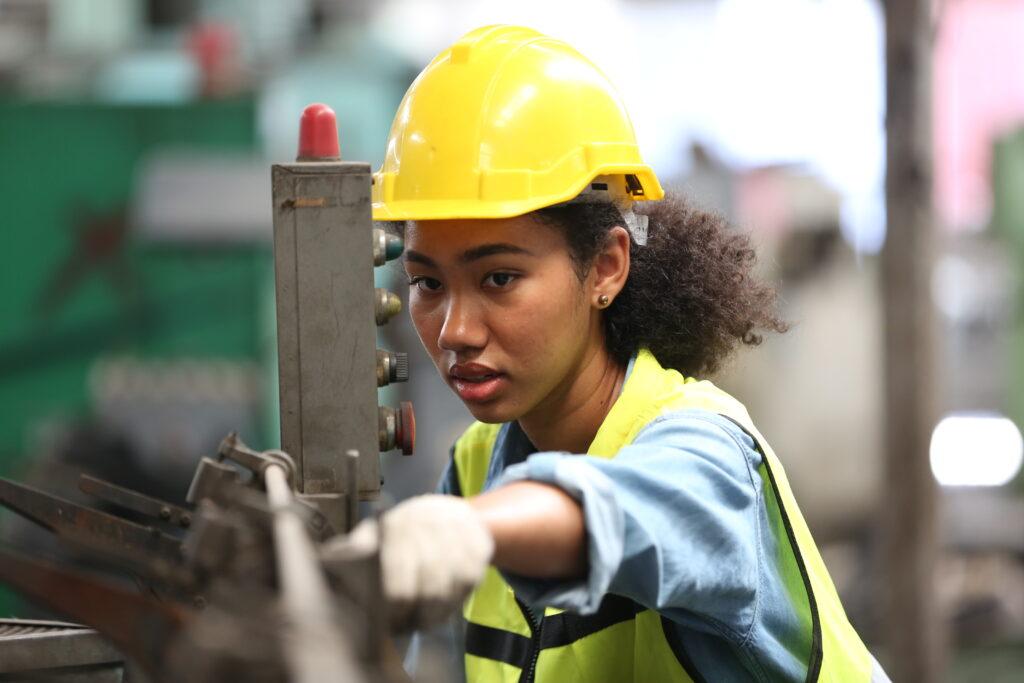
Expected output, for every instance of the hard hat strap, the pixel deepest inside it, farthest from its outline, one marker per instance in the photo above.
(636, 224)
(613, 190)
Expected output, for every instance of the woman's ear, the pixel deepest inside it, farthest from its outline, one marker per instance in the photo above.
(611, 268)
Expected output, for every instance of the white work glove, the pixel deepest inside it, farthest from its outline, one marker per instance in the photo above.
(434, 550)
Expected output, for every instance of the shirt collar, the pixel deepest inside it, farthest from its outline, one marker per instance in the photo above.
(512, 446)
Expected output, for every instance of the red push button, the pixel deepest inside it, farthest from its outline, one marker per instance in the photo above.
(318, 134)
(406, 436)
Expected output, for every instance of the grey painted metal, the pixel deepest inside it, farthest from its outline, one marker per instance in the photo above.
(323, 257)
(66, 650)
(315, 648)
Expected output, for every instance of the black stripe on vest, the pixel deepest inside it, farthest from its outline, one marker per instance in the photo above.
(556, 630)
(562, 629)
(493, 643)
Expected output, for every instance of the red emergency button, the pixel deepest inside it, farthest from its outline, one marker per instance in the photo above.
(406, 436)
(318, 134)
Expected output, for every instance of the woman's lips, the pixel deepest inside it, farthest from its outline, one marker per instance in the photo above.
(476, 383)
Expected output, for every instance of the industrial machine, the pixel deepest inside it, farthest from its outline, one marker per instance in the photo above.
(236, 585)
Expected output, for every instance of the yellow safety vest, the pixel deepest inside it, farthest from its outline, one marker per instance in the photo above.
(507, 642)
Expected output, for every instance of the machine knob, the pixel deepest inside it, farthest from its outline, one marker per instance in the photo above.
(397, 428)
(386, 305)
(318, 134)
(392, 366)
(407, 428)
(386, 247)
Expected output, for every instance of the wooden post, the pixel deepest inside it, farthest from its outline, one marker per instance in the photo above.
(913, 626)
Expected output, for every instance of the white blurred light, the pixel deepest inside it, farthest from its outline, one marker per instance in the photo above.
(976, 450)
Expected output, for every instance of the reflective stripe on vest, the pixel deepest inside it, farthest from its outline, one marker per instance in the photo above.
(506, 641)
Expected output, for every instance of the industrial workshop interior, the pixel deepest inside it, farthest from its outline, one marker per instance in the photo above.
(591, 341)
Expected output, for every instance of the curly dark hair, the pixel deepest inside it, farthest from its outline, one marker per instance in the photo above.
(691, 295)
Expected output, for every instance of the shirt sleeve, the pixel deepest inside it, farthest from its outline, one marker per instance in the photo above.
(672, 522)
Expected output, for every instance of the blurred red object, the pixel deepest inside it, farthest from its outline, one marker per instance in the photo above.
(214, 46)
(978, 96)
(318, 134)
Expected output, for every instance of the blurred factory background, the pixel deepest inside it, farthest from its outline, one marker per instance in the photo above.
(136, 273)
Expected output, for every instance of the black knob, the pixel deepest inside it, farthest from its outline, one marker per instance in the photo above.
(401, 367)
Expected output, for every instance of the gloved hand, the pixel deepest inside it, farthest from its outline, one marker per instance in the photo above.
(434, 549)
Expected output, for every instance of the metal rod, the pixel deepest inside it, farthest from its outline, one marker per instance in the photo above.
(314, 646)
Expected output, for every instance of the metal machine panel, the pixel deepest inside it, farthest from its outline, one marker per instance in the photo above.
(326, 334)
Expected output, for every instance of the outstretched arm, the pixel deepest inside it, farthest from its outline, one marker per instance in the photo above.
(538, 530)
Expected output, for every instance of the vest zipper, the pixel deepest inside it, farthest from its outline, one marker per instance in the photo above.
(529, 673)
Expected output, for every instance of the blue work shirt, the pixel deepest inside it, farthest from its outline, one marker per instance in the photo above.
(676, 521)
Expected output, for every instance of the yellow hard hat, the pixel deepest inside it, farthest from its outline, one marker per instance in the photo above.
(504, 122)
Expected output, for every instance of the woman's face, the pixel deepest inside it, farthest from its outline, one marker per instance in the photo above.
(499, 308)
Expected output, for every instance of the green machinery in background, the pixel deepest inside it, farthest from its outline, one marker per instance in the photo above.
(77, 285)
(1008, 225)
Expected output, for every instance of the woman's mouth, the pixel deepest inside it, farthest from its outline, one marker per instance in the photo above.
(476, 383)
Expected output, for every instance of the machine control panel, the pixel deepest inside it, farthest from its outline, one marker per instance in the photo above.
(325, 251)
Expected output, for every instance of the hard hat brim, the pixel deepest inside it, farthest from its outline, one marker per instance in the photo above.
(446, 209)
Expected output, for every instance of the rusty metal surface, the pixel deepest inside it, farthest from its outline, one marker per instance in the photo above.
(135, 501)
(138, 626)
(245, 595)
(249, 597)
(90, 529)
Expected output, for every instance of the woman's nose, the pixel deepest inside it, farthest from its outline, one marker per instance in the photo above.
(463, 327)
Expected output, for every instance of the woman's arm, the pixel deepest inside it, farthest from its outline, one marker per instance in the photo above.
(538, 530)
(672, 522)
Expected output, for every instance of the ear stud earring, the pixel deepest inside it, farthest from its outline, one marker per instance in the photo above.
(603, 300)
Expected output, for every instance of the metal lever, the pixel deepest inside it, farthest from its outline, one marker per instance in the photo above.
(138, 626)
(234, 449)
(91, 529)
(315, 645)
(135, 501)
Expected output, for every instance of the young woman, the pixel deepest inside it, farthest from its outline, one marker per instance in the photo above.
(637, 525)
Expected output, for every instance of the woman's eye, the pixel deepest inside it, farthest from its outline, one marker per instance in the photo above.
(425, 284)
(500, 280)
